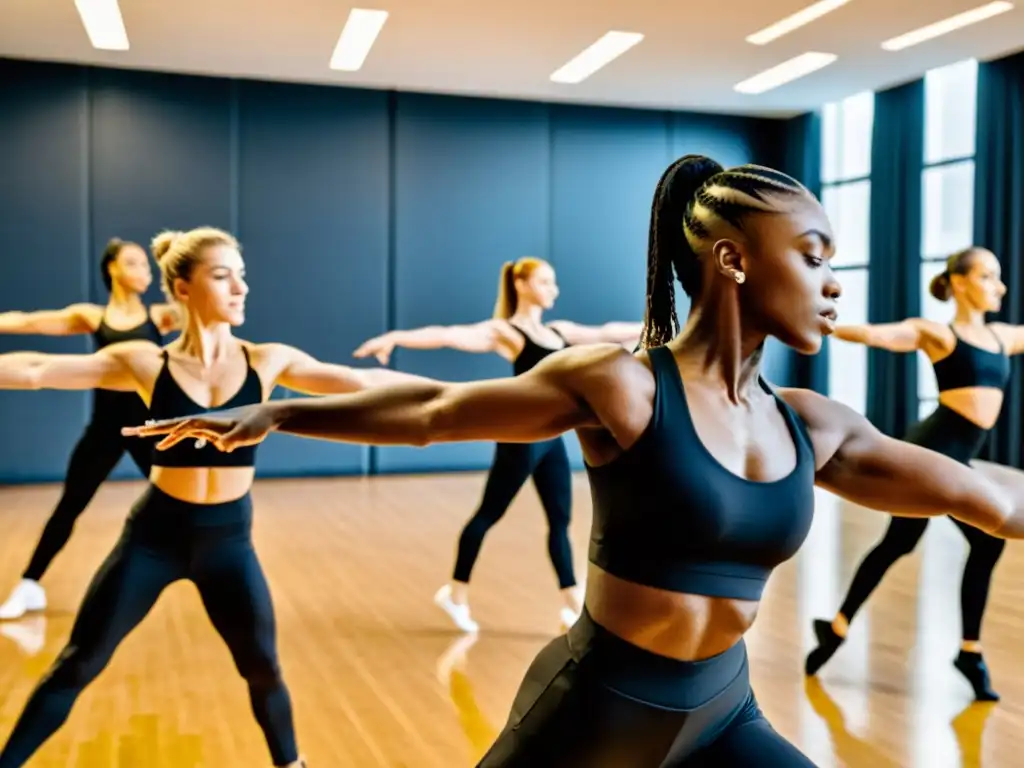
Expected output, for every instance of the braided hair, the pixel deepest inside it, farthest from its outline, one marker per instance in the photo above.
(693, 197)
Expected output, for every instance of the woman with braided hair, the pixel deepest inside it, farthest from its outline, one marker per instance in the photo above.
(972, 368)
(702, 477)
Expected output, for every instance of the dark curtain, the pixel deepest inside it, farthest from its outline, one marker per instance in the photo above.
(802, 161)
(894, 290)
(999, 220)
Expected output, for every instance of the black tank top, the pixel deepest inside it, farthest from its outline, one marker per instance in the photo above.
(121, 409)
(971, 366)
(170, 401)
(533, 352)
(668, 515)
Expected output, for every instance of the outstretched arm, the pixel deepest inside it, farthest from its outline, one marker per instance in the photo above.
(105, 369)
(626, 334)
(554, 397)
(70, 321)
(906, 336)
(486, 336)
(859, 463)
(303, 373)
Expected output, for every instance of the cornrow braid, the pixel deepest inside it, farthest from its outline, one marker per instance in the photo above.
(693, 198)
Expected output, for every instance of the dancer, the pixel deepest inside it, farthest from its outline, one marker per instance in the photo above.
(702, 477)
(194, 519)
(516, 332)
(126, 274)
(972, 369)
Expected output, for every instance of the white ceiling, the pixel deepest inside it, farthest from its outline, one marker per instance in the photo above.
(692, 55)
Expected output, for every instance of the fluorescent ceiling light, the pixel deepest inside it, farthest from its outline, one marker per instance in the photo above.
(103, 24)
(785, 72)
(604, 51)
(357, 38)
(794, 21)
(946, 26)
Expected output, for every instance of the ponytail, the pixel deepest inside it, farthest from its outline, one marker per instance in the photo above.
(668, 248)
(505, 306)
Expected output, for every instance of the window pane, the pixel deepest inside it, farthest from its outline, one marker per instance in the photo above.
(846, 138)
(848, 208)
(830, 142)
(948, 220)
(950, 97)
(858, 116)
(940, 312)
(848, 363)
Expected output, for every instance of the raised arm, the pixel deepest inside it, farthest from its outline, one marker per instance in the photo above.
(626, 334)
(859, 463)
(105, 369)
(70, 321)
(557, 395)
(487, 336)
(301, 372)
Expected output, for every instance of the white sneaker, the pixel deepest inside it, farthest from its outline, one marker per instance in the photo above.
(27, 596)
(458, 613)
(28, 634)
(568, 617)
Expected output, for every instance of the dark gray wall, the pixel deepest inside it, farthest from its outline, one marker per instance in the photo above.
(358, 211)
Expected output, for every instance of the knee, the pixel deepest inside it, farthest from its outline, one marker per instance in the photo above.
(260, 670)
(74, 668)
(986, 551)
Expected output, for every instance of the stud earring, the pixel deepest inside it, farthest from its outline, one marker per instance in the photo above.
(740, 278)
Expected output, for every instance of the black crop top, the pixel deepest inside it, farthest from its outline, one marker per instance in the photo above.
(170, 401)
(668, 515)
(533, 352)
(110, 406)
(971, 366)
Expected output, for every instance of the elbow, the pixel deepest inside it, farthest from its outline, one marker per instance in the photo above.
(439, 423)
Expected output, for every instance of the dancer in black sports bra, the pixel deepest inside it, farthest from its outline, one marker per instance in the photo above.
(194, 519)
(972, 369)
(126, 274)
(526, 289)
(702, 477)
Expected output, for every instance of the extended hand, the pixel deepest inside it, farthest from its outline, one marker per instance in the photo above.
(380, 347)
(227, 430)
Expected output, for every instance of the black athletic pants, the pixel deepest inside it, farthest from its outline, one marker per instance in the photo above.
(166, 540)
(94, 457)
(592, 700)
(949, 433)
(513, 465)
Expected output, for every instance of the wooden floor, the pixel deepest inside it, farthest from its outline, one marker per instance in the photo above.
(378, 678)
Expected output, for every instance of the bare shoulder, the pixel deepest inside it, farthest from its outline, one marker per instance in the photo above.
(937, 336)
(829, 423)
(88, 313)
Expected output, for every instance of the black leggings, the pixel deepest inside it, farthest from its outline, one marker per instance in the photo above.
(166, 540)
(592, 700)
(513, 464)
(95, 455)
(949, 433)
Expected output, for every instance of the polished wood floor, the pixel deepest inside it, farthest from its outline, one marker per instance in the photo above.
(378, 678)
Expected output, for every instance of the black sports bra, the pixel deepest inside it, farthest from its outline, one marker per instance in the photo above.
(971, 366)
(533, 352)
(170, 401)
(111, 407)
(668, 515)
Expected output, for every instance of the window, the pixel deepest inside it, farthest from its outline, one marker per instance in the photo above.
(947, 189)
(846, 195)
